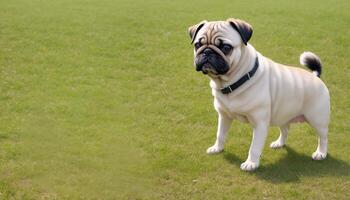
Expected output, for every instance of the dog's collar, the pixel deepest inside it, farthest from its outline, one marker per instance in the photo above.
(242, 80)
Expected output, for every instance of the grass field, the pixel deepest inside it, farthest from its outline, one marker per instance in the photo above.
(99, 100)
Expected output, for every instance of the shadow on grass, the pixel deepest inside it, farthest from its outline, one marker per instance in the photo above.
(295, 165)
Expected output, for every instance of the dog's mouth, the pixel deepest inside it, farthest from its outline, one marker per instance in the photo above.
(207, 68)
(212, 66)
(210, 62)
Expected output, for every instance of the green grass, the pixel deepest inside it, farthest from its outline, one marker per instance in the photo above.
(99, 100)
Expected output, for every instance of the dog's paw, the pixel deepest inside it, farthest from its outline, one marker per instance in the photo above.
(317, 155)
(249, 166)
(276, 144)
(214, 150)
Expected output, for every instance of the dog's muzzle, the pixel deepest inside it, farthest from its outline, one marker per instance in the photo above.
(204, 64)
(208, 61)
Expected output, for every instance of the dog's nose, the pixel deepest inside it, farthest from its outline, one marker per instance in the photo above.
(207, 51)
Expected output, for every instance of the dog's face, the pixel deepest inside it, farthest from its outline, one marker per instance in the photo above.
(218, 45)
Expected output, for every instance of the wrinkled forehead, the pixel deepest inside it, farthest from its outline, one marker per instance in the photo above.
(215, 32)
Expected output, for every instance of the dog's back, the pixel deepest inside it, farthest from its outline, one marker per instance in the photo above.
(304, 91)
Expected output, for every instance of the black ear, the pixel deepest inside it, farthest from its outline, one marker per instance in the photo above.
(193, 30)
(243, 28)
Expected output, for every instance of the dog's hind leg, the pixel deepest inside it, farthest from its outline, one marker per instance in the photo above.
(321, 151)
(320, 122)
(281, 141)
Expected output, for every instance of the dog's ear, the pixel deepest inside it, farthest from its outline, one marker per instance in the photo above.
(243, 28)
(193, 30)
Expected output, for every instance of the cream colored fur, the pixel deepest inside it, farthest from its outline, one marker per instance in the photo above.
(275, 96)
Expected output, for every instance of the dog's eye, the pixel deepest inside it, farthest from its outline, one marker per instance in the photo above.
(197, 45)
(226, 48)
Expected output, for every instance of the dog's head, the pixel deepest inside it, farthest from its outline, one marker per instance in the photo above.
(218, 45)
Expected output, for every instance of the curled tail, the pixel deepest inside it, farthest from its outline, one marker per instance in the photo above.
(311, 61)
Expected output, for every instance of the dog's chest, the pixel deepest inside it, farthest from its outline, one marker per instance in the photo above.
(240, 118)
(231, 108)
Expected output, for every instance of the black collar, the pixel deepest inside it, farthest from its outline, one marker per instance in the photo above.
(242, 80)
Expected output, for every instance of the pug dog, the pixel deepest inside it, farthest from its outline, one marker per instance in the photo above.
(254, 89)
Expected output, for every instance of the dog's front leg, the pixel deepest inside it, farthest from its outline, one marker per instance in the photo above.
(224, 124)
(258, 141)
